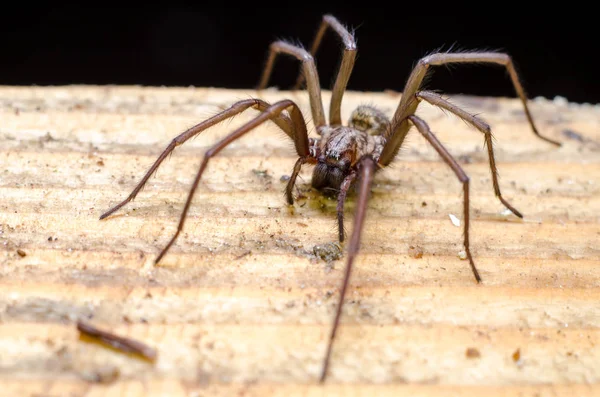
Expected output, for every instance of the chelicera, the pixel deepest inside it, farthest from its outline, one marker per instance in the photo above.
(347, 156)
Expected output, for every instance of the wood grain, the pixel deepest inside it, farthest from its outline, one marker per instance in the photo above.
(241, 305)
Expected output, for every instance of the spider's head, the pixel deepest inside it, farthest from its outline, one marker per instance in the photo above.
(369, 119)
(334, 160)
(329, 173)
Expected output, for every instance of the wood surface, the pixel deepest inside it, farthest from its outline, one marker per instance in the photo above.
(241, 305)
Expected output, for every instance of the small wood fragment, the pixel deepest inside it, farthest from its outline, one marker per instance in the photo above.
(121, 343)
(472, 353)
(516, 356)
(415, 252)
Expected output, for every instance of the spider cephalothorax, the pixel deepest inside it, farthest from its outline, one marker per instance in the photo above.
(347, 155)
(340, 148)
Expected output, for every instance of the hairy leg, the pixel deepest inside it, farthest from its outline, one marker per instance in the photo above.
(366, 171)
(289, 188)
(408, 102)
(295, 129)
(346, 65)
(268, 114)
(308, 69)
(424, 129)
(345, 186)
(437, 100)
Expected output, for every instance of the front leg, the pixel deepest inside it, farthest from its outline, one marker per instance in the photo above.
(270, 113)
(344, 187)
(293, 127)
(366, 168)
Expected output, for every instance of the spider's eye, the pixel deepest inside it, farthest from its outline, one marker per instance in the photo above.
(337, 162)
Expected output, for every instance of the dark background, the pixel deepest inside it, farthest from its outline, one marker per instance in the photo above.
(225, 45)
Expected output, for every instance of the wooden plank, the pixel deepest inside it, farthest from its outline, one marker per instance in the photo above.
(241, 304)
(165, 387)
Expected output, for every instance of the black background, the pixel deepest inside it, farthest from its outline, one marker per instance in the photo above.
(225, 45)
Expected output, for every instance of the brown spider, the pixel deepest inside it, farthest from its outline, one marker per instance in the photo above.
(344, 155)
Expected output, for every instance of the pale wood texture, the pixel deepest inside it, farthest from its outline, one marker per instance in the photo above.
(241, 305)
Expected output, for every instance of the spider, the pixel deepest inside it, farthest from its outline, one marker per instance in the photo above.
(348, 156)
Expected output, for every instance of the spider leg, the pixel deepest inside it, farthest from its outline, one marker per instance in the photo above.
(282, 121)
(289, 188)
(345, 186)
(437, 100)
(269, 113)
(366, 169)
(308, 69)
(408, 102)
(424, 129)
(346, 65)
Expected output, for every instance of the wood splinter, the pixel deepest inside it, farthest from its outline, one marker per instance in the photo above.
(121, 343)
